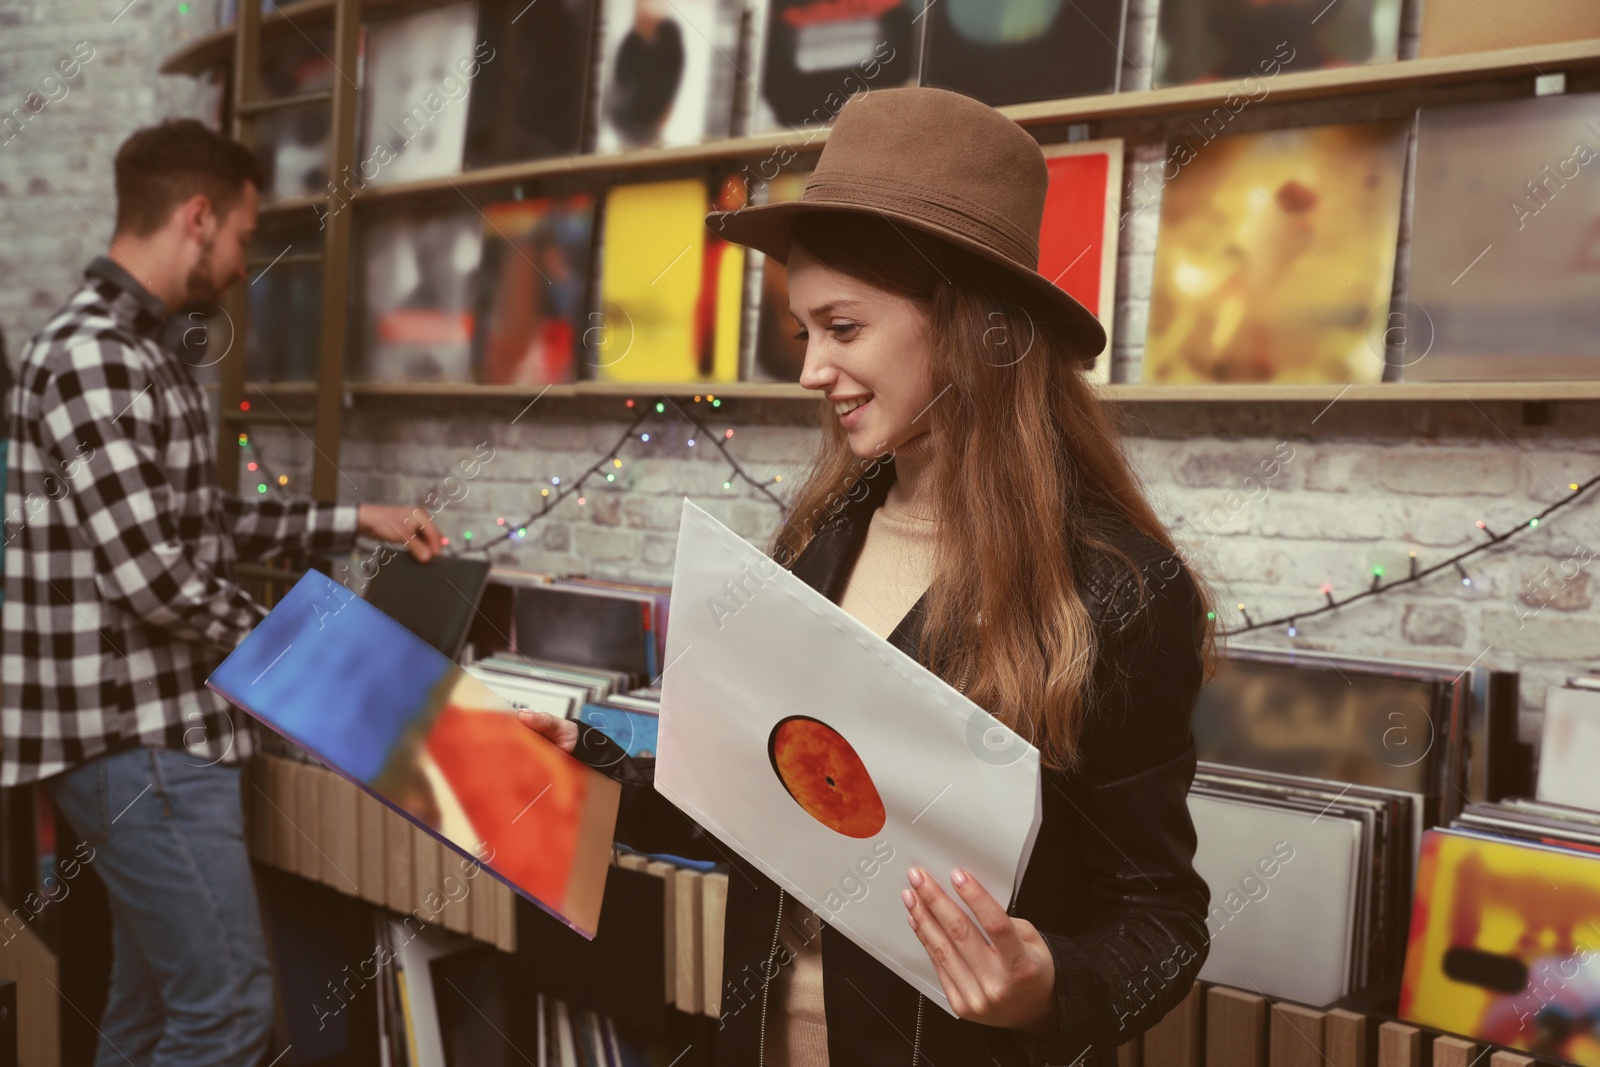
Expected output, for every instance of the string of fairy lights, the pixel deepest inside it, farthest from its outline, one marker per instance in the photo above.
(1378, 587)
(608, 466)
(611, 464)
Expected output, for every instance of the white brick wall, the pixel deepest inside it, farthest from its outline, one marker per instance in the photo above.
(1367, 483)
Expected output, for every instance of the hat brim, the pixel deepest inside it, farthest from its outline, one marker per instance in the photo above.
(765, 227)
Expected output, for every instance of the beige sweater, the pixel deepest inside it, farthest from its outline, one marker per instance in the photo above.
(892, 572)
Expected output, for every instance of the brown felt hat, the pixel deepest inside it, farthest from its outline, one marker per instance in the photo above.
(945, 164)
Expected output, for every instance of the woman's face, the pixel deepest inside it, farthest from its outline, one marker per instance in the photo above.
(867, 351)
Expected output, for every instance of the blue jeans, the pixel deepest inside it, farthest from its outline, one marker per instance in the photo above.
(190, 982)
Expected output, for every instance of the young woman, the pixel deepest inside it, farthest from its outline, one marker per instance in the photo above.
(971, 504)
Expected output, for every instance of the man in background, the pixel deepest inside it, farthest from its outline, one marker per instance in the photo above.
(120, 600)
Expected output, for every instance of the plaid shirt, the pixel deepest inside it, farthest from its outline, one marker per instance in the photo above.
(120, 596)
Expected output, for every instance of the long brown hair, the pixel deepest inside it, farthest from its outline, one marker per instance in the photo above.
(1025, 455)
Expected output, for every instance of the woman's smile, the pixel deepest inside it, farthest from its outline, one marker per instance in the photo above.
(852, 410)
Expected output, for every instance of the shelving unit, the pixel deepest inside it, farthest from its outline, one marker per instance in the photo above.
(244, 40)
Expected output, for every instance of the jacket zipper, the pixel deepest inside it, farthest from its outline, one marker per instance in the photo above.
(766, 983)
(916, 1043)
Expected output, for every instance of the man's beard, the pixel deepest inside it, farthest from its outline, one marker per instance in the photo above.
(201, 285)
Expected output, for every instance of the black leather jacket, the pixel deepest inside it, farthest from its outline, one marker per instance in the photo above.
(1110, 884)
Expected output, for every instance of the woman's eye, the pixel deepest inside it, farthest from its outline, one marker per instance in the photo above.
(801, 336)
(840, 329)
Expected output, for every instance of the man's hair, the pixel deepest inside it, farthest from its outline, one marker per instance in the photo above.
(159, 167)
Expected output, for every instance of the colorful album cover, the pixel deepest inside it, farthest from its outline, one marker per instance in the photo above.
(1339, 725)
(420, 277)
(1078, 237)
(1505, 242)
(374, 702)
(1453, 26)
(531, 308)
(816, 54)
(1015, 51)
(1275, 254)
(1505, 945)
(667, 74)
(671, 291)
(528, 101)
(1213, 40)
(780, 355)
(419, 72)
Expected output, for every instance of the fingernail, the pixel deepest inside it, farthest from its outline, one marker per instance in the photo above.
(915, 874)
(909, 897)
(912, 919)
(958, 877)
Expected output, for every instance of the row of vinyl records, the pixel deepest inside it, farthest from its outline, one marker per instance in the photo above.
(484, 82)
(445, 928)
(1276, 260)
(1321, 791)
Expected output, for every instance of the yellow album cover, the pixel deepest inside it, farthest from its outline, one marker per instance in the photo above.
(1276, 254)
(1503, 945)
(671, 291)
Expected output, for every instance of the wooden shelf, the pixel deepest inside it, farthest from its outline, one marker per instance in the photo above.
(1304, 85)
(1384, 392)
(1393, 392)
(290, 204)
(215, 49)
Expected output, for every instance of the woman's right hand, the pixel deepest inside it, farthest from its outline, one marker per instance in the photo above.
(563, 733)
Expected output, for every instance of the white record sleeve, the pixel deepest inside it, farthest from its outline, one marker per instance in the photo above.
(1286, 934)
(757, 658)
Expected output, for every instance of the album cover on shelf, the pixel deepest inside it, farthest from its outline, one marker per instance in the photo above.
(779, 353)
(531, 311)
(671, 290)
(420, 275)
(1505, 242)
(1453, 26)
(292, 142)
(635, 730)
(1569, 750)
(587, 627)
(419, 71)
(1275, 256)
(283, 336)
(434, 600)
(1017, 51)
(816, 54)
(1392, 826)
(1215, 40)
(375, 703)
(1503, 938)
(1369, 724)
(1078, 236)
(552, 698)
(528, 102)
(1285, 889)
(667, 72)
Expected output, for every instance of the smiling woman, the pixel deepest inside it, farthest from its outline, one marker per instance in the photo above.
(992, 528)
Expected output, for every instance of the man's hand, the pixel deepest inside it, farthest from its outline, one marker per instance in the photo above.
(410, 526)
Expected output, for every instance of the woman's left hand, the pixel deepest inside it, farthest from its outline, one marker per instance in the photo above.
(1007, 981)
